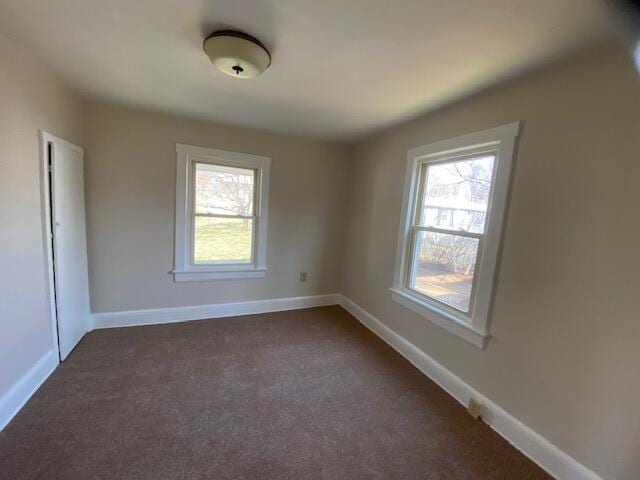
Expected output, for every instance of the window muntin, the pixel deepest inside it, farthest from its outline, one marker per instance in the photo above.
(448, 228)
(223, 214)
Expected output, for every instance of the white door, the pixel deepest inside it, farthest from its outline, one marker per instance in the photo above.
(69, 245)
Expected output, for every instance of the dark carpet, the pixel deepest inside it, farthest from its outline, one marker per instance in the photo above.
(307, 394)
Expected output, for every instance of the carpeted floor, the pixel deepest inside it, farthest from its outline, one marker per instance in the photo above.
(307, 394)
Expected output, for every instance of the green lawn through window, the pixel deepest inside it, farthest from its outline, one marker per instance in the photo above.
(222, 240)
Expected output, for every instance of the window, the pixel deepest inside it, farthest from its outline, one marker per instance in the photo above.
(221, 214)
(454, 202)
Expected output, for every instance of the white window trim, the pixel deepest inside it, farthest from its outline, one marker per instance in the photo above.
(184, 270)
(474, 327)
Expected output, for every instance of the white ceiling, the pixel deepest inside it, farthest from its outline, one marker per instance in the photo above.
(341, 68)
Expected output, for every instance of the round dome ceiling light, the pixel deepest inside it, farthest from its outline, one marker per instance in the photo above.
(237, 54)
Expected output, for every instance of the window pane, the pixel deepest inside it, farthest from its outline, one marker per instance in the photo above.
(457, 194)
(444, 267)
(223, 190)
(222, 240)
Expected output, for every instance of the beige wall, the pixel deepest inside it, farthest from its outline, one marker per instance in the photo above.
(130, 175)
(31, 98)
(565, 355)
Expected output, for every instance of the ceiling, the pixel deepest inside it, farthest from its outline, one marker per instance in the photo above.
(341, 68)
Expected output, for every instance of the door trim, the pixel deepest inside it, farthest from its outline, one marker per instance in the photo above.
(47, 235)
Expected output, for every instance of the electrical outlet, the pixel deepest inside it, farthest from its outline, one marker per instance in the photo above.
(303, 276)
(474, 408)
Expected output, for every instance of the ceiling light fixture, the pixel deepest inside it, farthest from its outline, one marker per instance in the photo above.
(237, 54)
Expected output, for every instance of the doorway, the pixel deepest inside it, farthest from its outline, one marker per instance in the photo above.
(65, 241)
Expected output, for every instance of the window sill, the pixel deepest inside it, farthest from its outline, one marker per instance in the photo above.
(441, 318)
(208, 275)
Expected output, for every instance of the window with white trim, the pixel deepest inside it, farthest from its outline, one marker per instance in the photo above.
(221, 214)
(454, 202)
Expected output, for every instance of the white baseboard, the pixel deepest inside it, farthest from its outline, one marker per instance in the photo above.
(21, 392)
(181, 314)
(556, 462)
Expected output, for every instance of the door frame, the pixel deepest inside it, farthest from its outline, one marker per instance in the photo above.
(45, 139)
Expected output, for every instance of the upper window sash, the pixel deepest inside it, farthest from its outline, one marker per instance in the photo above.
(443, 159)
(255, 187)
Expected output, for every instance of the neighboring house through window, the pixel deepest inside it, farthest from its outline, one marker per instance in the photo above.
(454, 203)
(221, 214)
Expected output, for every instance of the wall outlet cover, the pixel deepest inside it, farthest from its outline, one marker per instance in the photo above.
(474, 409)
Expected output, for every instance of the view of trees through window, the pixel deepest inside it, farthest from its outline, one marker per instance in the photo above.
(451, 221)
(224, 214)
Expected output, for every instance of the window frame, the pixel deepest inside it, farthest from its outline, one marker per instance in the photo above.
(473, 325)
(185, 268)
